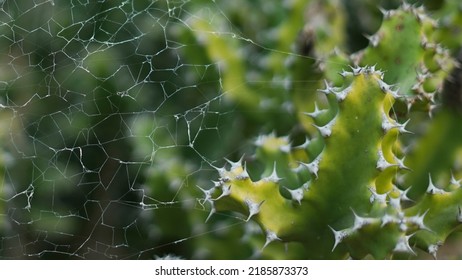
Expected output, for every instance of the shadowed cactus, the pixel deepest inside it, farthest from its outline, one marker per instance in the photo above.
(378, 174)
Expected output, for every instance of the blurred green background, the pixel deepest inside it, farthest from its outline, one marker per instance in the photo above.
(114, 113)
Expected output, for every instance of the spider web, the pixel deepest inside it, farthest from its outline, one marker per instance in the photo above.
(112, 113)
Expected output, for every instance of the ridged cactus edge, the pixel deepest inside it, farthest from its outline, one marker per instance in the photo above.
(349, 191)
(357, 134)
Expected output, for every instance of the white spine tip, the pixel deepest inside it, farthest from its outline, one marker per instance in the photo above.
(261, 139)
(274, 176)
(341, 95)
(285, 148)
(375, 197)
(221, 171)
(225, 191)
(403, 245)
(316, 111)
(207, 195)
(432, 189)
(382, 163)
(345, 74)
(304, 145)
(326, 130)
(454, 181)
(271, 236)
(418, 220)
(235, 164)
(373, 39)
(313, 167)
(297, 194)
(403, 195)
(328, 89)
(339, 236)
(361, 221)
(402, 127)
(384, 86)
(433, 249)
(387, 219)
(244, 175)
(386, 13)
(356, 70)
(254, 208)
(212, 211)
(395, 202)
(388, 124)
(401, 165)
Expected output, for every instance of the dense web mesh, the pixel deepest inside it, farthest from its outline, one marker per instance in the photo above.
(111, 115)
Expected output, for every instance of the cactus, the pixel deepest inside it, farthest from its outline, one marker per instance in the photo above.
(355, 187)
